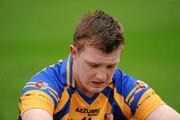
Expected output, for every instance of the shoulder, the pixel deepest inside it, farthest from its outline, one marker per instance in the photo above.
(50, 76)
(45, 89)
(139, 96)
(47, 81)
(122, 77)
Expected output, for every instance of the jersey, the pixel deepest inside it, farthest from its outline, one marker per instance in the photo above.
(53, 89)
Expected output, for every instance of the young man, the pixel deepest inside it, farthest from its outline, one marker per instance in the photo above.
(88, 85)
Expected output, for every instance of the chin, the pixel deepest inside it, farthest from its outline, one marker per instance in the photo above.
(97, 90)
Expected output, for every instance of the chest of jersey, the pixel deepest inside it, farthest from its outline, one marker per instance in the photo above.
(79, 109)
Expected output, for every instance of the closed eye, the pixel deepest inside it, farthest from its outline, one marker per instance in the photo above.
(93, 65)
(111, 66)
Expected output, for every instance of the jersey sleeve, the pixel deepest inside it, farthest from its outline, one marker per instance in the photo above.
(140, 97)
(42, 91)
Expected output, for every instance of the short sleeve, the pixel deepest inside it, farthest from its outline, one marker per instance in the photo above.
(148, 102)
(42, 91)
(140, 97)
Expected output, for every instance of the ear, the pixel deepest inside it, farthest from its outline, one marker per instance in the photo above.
(73, 51)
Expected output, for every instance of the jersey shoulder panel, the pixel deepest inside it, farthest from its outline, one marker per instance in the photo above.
(135, 92)
(43, 90)
(47, 80)
(130, 88)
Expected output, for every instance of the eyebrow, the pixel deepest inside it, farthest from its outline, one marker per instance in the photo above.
(89, 62)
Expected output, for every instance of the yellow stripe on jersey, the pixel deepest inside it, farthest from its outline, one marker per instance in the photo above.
(147, 103)
(111, 85)
(132, 98)
(130, 94)
(68, 71)
(73, 82)
(55, 93)
(36, 99)
(63, 100)
(54, 96)
(124, 107)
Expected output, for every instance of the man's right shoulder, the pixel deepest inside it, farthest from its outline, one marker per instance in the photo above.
(51, 75)
(48, 80)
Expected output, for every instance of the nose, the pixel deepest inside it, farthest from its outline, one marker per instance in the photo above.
(101, 75)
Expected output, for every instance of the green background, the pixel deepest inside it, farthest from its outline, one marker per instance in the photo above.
(37, 33)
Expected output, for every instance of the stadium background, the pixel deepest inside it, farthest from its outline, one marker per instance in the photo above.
(35, 34)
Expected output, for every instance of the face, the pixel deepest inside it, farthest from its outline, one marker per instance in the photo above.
(93, 69)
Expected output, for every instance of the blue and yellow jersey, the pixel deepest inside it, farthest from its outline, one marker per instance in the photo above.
(54, 90)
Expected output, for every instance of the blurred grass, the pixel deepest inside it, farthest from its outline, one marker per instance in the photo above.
(35, 34)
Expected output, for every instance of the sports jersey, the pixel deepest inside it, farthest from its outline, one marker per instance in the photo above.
(53, 89)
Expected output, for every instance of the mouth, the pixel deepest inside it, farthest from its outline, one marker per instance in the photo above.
(98, 84)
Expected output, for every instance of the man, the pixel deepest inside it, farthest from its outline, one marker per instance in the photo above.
(88, 85)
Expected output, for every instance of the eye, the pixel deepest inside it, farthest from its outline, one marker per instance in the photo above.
(93, 65)
(111, 66)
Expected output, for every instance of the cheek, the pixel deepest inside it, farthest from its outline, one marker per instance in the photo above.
(111, 73)
(86, 72)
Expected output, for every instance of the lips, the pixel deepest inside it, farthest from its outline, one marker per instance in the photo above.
(98, 84)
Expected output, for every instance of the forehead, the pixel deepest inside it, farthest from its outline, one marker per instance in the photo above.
(92, 54)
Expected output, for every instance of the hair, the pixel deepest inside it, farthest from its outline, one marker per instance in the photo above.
(100, 31)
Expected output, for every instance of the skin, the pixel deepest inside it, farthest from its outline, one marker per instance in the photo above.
(164, 112)
(36, 114)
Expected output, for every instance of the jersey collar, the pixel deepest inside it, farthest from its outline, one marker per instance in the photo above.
(67, 73)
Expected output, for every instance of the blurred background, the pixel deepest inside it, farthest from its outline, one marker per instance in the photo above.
(37, 33)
